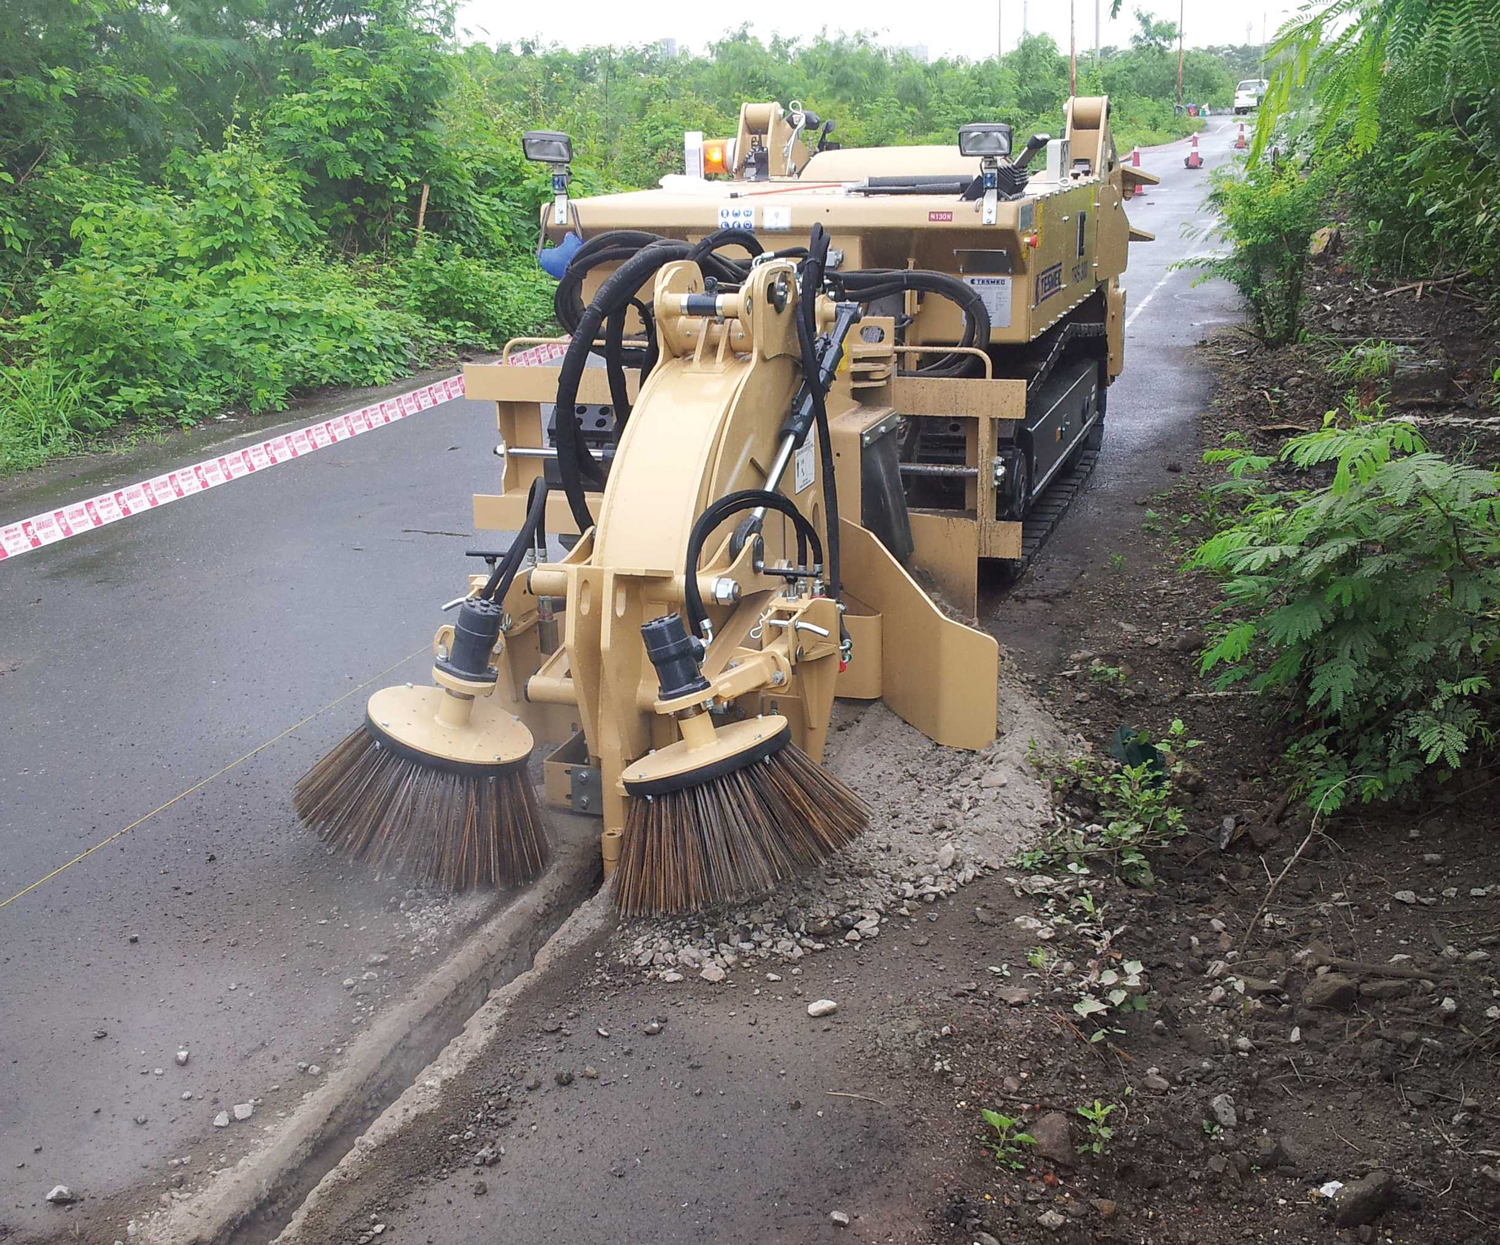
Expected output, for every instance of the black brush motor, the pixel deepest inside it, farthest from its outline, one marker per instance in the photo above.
(676, 655)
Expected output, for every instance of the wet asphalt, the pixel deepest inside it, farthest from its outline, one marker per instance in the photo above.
(1153, 404)
(139, 660)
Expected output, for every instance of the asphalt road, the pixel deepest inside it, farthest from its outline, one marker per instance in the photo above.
(135, 662)
(1153, 405)
(141, 659)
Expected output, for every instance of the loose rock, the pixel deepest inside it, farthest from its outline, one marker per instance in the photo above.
(1054, 1138)
(1363, 1200)
(61, 1195)
(823, 1007)
(1222, 1107)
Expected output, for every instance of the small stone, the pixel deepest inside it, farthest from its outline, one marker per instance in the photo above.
(1051, 1220)
(221, 1120)
(314, 1070)
(1432, 858)
(823, 1007)
(1222, 1107)
(590, 1073)
(773, 976)
(945, 855)
(1449, 1008)
(839, 1217)
(133, 938)
(1015, 997)
(1054, 1138)
(480, 1188)
(1334, 990)
(61, 1195)
(713, 973)
(182, 1058)
(1405, 897)
(1104, 1206)
(1363, 1200)
(1477, 957)
(140, 1119)
(1156, 1083)
(244, 1110)
(653, 1028)
(187, 1095)
(671, 977)
(563, 1077)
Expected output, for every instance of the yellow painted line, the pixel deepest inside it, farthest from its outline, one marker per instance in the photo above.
(197, 786)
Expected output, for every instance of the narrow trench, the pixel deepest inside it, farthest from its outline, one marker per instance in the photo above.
(400, 1069)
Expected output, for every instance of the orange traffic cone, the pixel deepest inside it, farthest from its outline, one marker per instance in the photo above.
(1240, 144)
(1135, 157)
(1194, 160)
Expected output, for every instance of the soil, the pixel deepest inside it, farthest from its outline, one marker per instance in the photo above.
(1320, 1007)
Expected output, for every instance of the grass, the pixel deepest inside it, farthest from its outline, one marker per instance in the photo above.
(45, 411)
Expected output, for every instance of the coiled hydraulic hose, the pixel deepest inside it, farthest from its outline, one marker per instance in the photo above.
(868, 285)
(574, 462)
(717, 512)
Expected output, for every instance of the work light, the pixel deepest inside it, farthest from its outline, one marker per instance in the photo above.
(989, 139)
(548, 147)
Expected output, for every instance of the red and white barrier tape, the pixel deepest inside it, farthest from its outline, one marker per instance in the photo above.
(47, 529)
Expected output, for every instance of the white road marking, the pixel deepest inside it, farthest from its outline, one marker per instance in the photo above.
(1208, 227)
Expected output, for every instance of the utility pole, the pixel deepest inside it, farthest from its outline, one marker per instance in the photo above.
(1025, 30)
(1096, 35)
(999, 30)
(1181, 11)
(1072, 48)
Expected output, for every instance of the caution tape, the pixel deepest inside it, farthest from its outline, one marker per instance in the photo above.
(41, 530)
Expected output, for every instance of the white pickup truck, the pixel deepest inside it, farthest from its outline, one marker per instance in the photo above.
(1247, 95)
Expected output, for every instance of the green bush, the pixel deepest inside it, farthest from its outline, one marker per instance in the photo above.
(1369, 605)
(180, 345)
(470, 300)
(1269, 212)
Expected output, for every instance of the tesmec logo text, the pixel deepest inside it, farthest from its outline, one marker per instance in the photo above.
(1048, 282)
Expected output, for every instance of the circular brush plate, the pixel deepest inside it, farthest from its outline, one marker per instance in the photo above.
(735, 745)
(407, 717)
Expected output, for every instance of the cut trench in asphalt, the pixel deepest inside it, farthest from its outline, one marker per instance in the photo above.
(253, 1200)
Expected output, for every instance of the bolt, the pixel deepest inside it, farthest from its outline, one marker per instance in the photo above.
(777, 678)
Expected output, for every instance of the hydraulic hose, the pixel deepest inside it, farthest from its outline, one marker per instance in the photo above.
(872, 284)
(807, 331)
(717, 512)
(504, 573)
(574, 461)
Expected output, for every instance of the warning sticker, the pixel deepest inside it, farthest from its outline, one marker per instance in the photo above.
(735, 216)
(994, 293)
(803, 466)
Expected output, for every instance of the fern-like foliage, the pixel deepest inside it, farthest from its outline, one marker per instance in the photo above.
(1370, 605)
(1349, 49)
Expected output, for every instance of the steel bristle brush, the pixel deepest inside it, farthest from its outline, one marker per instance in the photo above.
(447, 823)
(435, 782)
(752, 811)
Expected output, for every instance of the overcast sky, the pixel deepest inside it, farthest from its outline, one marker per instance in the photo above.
(958, 27)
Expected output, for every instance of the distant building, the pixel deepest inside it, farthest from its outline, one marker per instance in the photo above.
(668, 48)
(917, 51)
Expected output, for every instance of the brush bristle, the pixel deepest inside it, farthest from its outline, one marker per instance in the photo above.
(734, 836)
(446, 829)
